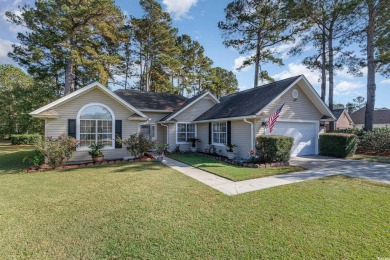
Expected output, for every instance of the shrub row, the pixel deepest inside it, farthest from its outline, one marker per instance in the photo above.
(273, 148)
(25, 139)
(338, 144)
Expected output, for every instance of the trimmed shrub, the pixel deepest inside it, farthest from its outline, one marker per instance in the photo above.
(273, 148)
(25, 139)
(338, 145)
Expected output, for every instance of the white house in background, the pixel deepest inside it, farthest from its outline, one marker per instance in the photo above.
(96, 114)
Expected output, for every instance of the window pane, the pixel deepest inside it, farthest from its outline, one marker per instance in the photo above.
(95, 112)
(223, 127)
(215, 127)
(190, 135)
(181, 137)
(222, 138)
(215, 138)
(191, 128)
(181, 128)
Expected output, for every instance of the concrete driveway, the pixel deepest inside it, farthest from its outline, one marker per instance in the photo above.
(354, 168)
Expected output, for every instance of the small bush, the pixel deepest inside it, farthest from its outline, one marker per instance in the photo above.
(58, 150)
(273, 148)
(26, 139)
(138, 144)
(36, 159)
(338, 145)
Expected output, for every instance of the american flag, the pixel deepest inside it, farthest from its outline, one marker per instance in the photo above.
(272, 119)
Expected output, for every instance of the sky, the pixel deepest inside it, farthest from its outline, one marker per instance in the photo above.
(199, 19)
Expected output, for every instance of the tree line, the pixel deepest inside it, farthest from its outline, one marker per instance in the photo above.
(77, 42)
(256, 27)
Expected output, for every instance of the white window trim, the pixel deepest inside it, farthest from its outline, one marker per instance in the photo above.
(78, 126)
(212, 133)
(177, 126)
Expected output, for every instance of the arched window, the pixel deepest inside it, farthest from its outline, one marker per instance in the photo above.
(95, 124)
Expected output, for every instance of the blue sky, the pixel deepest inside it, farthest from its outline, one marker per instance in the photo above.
(199, 18)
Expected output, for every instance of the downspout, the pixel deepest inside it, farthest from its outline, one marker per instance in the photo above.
(252, 139)
(167, 126)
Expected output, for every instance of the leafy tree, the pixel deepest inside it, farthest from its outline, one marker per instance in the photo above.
(72, 41)
(255, 27)
(21, 94)
(222, 82)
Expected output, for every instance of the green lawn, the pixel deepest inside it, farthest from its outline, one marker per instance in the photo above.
(371, 158)
(149, 211)
(231, 172)
(11, 157)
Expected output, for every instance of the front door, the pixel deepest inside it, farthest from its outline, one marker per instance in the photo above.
(149, 131)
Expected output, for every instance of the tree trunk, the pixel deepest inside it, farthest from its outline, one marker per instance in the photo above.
(323, 65)
(69, 77)
(371, 67)
(257, 61)
(331, 68)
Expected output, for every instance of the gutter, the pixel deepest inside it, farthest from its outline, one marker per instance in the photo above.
(252, 138)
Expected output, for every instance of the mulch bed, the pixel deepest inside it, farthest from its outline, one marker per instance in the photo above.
(385, 153)
(46, 167)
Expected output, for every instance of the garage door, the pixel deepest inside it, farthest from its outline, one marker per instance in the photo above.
(304, 135)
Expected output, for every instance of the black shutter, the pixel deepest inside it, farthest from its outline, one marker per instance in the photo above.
(229, 132)
(118, 132)
(72, 128)
(209, 133)
(118, 128)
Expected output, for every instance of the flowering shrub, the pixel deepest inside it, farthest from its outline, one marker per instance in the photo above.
(138, 144)
(58, 150)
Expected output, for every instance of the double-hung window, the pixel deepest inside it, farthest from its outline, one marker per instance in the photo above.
(184, 132)
(219, 133)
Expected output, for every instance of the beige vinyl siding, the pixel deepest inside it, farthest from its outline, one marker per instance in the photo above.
(301, 109)
(154, 117)
(241, 136)
(195, 110)
(69, 110)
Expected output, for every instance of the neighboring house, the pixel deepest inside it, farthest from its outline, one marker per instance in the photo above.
(95, 113)
(343, 120)
(381, 117)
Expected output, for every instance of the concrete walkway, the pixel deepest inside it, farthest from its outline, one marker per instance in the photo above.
(318, 167)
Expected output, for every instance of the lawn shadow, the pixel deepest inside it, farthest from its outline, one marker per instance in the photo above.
(122, 167)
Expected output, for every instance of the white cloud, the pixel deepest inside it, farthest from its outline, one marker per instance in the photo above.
(385, 81)
(295, 69)
(346, 87)
(238, 63)
(179, 8)
(5, 48)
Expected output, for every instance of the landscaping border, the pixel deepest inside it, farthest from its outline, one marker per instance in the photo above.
(45, 167)
(235, 162)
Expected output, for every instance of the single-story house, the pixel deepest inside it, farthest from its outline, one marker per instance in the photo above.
(96, 114)
(343, 120)
(381, 118)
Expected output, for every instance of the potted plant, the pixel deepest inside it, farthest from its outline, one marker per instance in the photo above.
(193, 142)
(230, 151)
(96, 153)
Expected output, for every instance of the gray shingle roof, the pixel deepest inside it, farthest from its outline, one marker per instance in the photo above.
(337, 113)
(381, 116)
(151, 100)
(247, 102)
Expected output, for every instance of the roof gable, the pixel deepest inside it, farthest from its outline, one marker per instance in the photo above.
(86, 89)
(188, 104)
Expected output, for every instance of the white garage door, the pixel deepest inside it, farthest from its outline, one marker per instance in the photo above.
(304, 135)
